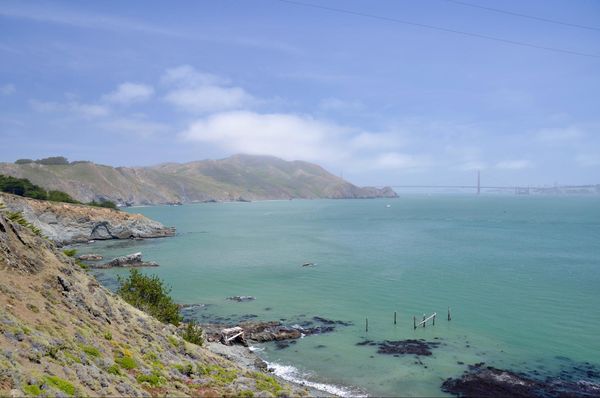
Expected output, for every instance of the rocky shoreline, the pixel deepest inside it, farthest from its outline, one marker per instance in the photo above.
(65, 223)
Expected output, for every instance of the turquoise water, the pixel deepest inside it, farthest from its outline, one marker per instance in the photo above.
(521, 275)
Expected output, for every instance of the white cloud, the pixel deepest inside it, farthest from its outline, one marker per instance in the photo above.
(188, 76)
(285, 135)
(209, 98)
(72, 107)
(7, 89)
(199, 92)
(128, 93)
(514, 164)
(559, 135)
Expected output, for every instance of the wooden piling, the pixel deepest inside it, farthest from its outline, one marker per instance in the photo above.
(449, 317)
(433, 319)
(366, 324)
(394, 317)
(415, 322)
(424, 317)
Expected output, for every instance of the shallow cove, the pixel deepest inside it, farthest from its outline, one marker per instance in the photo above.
(520, 273)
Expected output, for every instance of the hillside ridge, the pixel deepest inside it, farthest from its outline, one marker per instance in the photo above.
(236, 178)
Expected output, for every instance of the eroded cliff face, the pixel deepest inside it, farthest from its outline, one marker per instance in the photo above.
(62, 334)
(65, 223)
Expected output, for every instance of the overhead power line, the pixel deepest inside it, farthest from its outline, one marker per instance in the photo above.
(440, 29)
(517, 14)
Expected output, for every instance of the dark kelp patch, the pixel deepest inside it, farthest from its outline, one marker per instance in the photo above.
(415, 347)
(486, 381)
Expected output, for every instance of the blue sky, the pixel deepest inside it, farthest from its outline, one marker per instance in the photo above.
(141, 83)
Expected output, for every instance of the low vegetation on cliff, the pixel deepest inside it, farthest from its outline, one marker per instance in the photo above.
(149, 294)
(24, 187)
(62, 334)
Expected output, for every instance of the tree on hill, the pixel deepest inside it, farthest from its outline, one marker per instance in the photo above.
(22, 187)
(60, 196)
(23, 161)
(103, 203)
(149, 294)
(53, 160)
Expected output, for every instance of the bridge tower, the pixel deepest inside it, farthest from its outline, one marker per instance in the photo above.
(478, 182)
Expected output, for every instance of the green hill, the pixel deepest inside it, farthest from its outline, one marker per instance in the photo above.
(239, 177)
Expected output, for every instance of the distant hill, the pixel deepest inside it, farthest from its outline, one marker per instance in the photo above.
(236, 178)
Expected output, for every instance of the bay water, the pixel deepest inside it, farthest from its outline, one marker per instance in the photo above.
(521, 275)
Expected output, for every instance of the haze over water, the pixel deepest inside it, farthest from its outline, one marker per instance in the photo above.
(521, 274)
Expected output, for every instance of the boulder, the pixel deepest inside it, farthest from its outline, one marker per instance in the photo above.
(130, 260)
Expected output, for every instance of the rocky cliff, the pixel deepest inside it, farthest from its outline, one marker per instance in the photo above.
(239, 177)
(62, 334)
(66, 223)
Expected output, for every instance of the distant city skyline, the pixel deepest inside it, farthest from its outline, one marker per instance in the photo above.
(390, 92)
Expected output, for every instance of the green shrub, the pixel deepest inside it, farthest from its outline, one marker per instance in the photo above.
(114, 369)
(104, 203)
(24, 187)
(149, 294)
(187, 369)
(266, 383)
(59, 196)
(61, 384)
(126, 362)
(21, 187)
(218, 374)
(70, 252)
(91, 351)
(108, 335)
(32, 389)
(154, 379)
(23, 161)
(17, 217)
(193, 333)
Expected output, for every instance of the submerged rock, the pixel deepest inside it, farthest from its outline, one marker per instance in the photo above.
(486, 381)
(240, 299)
(411, 347)
(403, 347)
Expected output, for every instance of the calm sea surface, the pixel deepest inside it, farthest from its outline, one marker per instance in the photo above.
(521, 275)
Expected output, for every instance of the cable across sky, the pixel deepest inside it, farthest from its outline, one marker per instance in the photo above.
(441, 29)
(517, 14)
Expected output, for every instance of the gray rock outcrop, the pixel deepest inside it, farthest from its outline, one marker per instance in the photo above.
(129, 261)
(66, 223)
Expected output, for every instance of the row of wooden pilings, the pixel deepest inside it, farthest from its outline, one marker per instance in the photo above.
(423, 323)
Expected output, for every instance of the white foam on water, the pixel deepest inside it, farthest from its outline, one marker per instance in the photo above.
(255, 349)
(293, 375)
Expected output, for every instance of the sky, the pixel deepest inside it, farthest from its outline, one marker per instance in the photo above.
(395, 92)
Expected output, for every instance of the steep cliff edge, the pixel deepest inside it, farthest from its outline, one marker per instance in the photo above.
(65, 223)
(62, 334)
